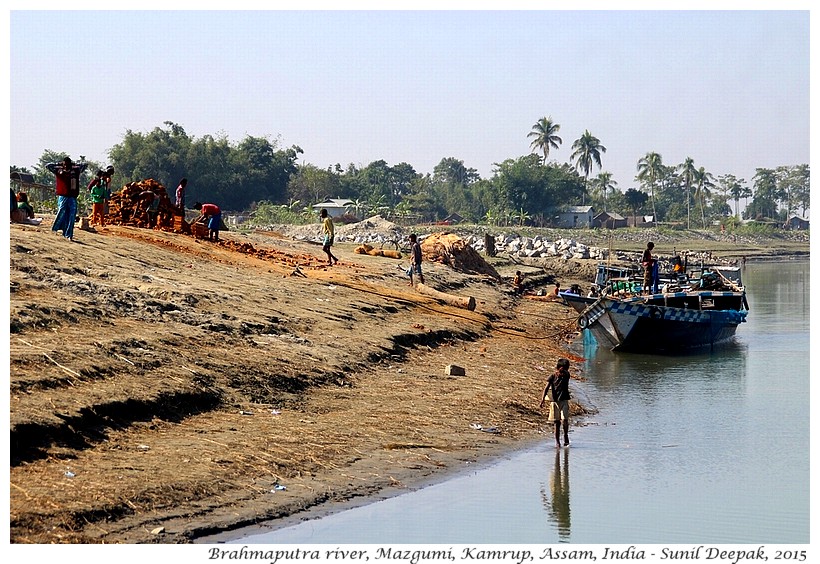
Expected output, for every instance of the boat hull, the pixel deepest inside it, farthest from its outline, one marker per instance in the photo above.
(647, 326)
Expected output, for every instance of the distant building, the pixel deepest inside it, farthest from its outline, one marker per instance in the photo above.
(609, 220)
(575, 217)
(452, 219)
(336, 207)
(235, 219)
(796, 222)
(24, 182)
(640, 221)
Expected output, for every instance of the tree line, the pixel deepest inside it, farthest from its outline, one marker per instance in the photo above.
(260, 177)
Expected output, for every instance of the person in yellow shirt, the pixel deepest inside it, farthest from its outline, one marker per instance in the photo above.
(329, 232)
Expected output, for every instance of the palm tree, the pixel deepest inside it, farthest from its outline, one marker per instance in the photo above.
(703, 181)
(587, 150)
(736, 191)
(650, 169)
(546, 138)
(687, 174)
(746, 193)
(605, 183)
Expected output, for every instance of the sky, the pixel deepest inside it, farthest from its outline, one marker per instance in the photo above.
(729, 88)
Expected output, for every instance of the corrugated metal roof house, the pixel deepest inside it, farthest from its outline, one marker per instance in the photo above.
(609, 220)
(336, 207)
(575, 217)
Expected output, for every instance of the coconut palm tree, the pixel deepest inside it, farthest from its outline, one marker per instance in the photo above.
(605, 183)
(736, 191)
(687, 174)
(587, 150)
(545, 133)
(703, 182)
(746, 193)
(650, 169)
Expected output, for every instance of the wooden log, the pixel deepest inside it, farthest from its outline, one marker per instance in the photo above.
(384, 253)
(489, 244)
(458, 301)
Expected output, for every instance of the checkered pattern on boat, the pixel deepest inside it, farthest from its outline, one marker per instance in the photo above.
(705, 294)
(678, 314)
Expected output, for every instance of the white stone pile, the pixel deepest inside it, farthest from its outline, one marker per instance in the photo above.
(539, 247)
(382, 233)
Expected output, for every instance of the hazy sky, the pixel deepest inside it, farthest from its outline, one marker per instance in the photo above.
(729, 89)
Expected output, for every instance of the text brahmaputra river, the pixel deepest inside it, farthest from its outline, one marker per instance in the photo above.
(722, 554)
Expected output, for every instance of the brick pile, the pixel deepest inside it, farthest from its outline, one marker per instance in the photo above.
(124, 209)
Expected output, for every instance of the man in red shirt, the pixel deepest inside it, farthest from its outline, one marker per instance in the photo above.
(67, 184)
(214, 216)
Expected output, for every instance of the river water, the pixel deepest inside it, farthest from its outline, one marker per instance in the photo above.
(708, 448)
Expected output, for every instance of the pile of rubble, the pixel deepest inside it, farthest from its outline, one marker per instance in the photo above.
(540, 247)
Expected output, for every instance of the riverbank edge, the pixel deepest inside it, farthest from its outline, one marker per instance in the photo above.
(455, 467)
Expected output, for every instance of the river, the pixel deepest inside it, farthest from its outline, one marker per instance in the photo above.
(707, 448)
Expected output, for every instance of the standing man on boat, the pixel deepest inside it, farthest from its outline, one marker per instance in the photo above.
(558, 384)
(648, 263)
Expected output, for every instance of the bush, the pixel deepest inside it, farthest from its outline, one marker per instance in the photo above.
(757, 229)
(267, 213)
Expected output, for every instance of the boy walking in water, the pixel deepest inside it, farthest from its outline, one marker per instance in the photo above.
(558, 384)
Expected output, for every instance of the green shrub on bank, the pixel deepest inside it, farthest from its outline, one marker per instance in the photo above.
(757, 229)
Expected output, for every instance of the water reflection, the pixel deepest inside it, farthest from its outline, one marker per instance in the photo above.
(557, 502)
(641, 373)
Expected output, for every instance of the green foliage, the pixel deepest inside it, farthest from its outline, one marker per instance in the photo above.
(257, 174)
(756, 228)
(234, 176)
(268, 213)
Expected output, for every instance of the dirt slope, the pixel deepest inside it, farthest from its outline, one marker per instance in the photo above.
(161, 388)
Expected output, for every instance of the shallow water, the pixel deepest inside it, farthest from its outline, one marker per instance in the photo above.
(711, 448)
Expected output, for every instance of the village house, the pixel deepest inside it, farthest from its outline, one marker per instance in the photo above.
(609, 220)
(575, 217)
(336, 207)
(795, 222)
(24, 182)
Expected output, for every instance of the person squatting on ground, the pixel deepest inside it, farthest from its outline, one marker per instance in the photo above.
(415, 259)
(67, 187)
(21, 210)
(558, 384)
(329, 232)
(518, 282)
(214, 216)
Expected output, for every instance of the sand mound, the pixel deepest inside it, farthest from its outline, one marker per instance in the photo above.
(452, 250)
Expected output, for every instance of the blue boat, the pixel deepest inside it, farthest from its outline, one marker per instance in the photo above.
(686, 314)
